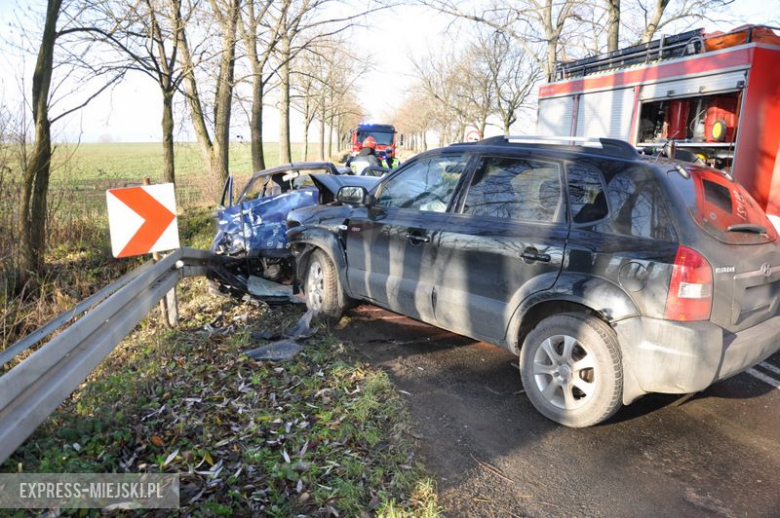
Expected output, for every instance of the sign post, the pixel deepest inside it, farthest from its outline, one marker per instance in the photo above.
(142, 220)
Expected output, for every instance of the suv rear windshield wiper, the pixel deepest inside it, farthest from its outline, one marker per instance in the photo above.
(747, 227)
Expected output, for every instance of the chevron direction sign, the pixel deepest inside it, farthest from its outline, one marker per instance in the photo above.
(142, 219)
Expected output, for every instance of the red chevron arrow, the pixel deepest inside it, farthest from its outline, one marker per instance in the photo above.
(156, 216)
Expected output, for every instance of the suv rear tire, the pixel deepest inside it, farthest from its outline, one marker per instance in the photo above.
(321, 286)
(571, 369)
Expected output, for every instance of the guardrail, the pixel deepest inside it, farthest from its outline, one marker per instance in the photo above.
(32, 390)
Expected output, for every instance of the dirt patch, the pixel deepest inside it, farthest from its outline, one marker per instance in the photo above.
(493, 455)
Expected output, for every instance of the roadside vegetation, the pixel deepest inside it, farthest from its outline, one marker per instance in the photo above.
(321, 434)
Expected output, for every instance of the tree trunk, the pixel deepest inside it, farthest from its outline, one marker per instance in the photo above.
(322, 139)
(256, 124)
(459, 131)
(330, 135)
(167, 137)
(223, 98)
(613, 25)
(38, 170)
(285, 153)
(306, 125)
(196, 107)
(655, 20)
(552, 55)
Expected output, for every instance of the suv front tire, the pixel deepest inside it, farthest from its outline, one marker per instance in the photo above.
(321, 286)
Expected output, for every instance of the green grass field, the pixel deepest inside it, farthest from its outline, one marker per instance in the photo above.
(135, 161)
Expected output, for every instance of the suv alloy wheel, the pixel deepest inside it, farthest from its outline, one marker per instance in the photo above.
(571, 369)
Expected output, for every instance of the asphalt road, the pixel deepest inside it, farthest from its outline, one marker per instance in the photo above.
(716, 454)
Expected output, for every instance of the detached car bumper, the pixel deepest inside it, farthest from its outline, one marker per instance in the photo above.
(683, 357)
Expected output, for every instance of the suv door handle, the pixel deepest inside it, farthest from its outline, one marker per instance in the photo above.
(532, 255)
(415, 237)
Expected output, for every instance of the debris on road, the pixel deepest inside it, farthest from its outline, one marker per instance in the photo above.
(277, 351)
(284, 349)
(271, 292)
(266, 334)
(302, 328)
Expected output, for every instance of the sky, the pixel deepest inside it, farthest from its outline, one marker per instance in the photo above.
(131, 112)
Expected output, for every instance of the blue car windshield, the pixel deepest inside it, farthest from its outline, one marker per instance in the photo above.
(265, 186)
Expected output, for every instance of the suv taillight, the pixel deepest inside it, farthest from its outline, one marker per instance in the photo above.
(690, 290)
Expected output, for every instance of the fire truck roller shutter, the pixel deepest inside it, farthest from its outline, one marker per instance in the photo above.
(702, 85)
(555, 116)
(606, 114)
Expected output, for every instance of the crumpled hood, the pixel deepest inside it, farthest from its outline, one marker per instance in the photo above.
(260, 228)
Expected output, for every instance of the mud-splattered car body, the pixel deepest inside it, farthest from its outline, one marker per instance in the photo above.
(251, 240)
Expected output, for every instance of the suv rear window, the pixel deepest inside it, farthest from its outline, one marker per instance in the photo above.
(615, 197)
(723, 208)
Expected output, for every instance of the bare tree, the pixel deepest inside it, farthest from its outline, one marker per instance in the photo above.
(513, 74)
(147, 35)
(215, 150)
(348, 115)
(439, 79)
(308, 85)
(415, 118)
(37, 171)
(306, 22)
(340, 72)
(290, 28)
(527, 22)
(545, 28)
(613, 25)
(260, 33)
(655, 15)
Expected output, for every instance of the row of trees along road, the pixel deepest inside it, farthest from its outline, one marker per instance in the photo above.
(202, 51)
(514, 44)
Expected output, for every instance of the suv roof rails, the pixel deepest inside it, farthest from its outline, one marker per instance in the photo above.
(608, 146)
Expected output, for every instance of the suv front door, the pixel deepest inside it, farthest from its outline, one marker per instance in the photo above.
(507, 239)
(391, 244)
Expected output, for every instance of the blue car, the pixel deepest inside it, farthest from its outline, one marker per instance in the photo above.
(251, 240)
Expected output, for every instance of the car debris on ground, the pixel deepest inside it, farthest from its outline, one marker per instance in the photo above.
(288, 347)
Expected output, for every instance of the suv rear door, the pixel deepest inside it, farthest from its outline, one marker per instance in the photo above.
(390, 245)
(509, 233)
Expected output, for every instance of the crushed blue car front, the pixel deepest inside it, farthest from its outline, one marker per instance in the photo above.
(259, 227)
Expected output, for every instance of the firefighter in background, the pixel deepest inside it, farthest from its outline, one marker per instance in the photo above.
(366, 158)
(389, 161)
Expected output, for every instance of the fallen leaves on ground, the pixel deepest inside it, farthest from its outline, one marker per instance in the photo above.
(322, 434)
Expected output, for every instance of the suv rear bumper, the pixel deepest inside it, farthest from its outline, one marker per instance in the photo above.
(684, 357)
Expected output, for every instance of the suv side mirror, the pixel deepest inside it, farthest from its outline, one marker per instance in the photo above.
(352, 195)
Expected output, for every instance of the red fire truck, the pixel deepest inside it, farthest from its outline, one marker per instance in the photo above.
(384, 134)
(716, 95)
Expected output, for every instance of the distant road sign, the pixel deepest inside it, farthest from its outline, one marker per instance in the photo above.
(142, 220)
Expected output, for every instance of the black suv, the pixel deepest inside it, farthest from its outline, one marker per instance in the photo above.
(611, 275)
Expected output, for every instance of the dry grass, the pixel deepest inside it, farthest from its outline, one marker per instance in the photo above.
(318, 435)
